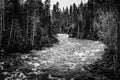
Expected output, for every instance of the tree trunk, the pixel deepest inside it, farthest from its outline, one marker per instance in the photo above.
(2, 7)
(34, 29)
(0, 28)
(10, 34)
(33, 36)
(27, 37)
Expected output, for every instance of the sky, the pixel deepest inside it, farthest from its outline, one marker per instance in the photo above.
(65, 3)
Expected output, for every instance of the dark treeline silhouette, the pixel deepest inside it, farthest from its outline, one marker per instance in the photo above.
(25, 25)
(95, 20)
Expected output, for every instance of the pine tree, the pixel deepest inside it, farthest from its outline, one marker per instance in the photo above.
(56, 13)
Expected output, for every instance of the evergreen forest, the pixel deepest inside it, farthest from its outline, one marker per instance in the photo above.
(31, 34)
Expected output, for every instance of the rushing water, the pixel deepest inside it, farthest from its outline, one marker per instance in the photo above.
(68, 57)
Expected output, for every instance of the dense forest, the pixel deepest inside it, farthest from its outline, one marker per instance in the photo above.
(95, 20)
(27, 25)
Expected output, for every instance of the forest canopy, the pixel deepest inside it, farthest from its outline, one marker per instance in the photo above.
(25, 25)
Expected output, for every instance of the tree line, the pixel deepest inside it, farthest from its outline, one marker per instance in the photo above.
(25, 25)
